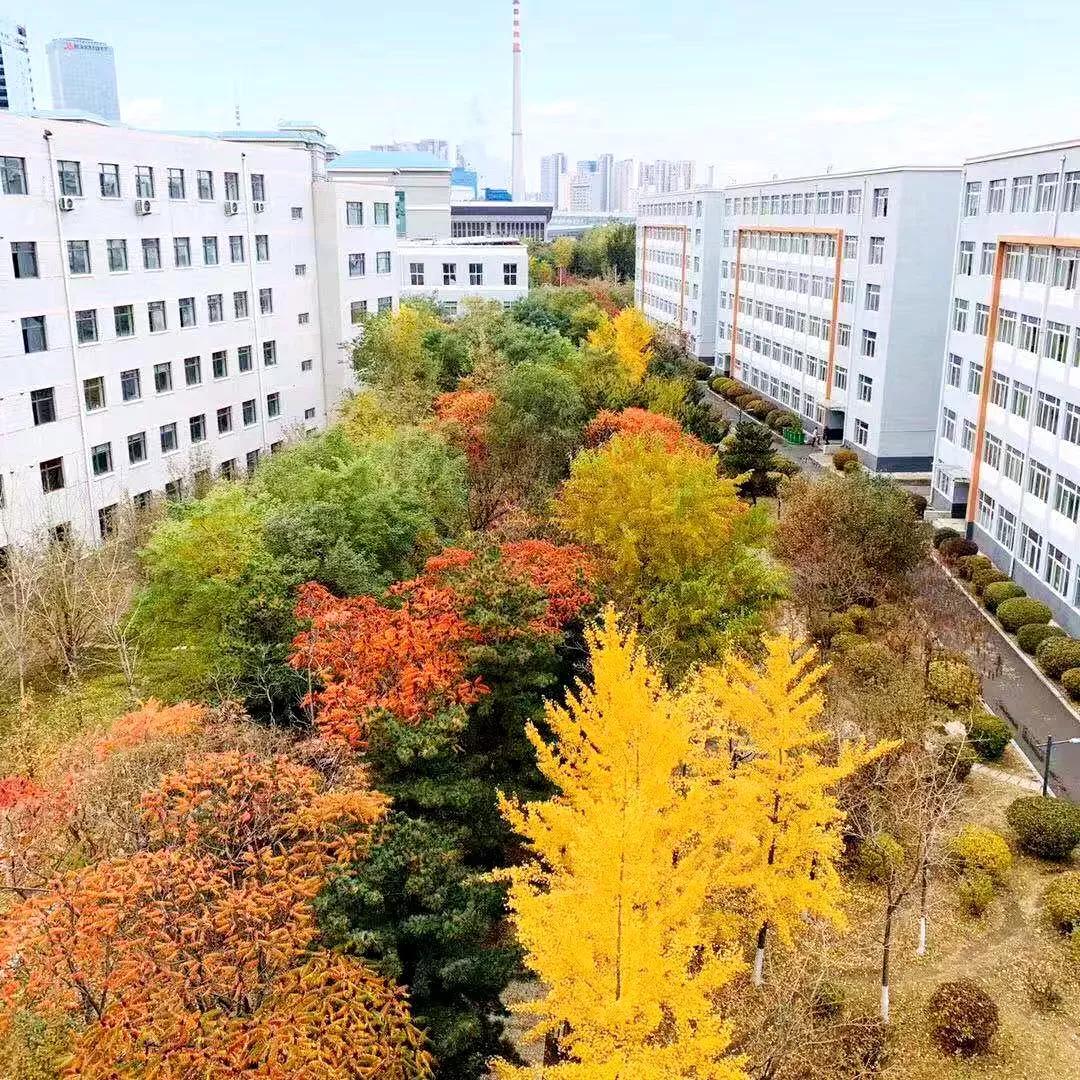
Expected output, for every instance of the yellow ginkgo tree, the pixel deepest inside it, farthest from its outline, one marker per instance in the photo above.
(629, 336)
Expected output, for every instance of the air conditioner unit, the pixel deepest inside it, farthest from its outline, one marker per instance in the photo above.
(67, 202)
(259, 207)
(231, 207)
(143, 207)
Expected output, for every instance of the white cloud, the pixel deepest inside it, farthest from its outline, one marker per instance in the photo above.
(143, 112)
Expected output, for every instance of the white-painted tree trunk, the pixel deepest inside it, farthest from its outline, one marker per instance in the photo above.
(885, 1002)
(921, 950)
(759, 965)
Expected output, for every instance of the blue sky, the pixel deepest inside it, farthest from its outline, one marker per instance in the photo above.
(755, 88)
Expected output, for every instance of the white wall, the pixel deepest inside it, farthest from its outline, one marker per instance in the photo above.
(499, 264)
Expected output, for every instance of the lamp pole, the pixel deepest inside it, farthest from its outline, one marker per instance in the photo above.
(1051, 742)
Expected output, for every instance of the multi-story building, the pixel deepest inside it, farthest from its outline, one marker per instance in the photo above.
(552, 170)
(623, 191)
(16, 85)
(1007, 456)
(439, 148)
(497, 219)
(83, 76)
(678, 254)
(174, 306)
(449, 273)
(830, 302)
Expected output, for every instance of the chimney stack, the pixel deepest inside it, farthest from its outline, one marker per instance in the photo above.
(517, 147)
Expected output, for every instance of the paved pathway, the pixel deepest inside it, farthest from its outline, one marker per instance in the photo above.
(1015, 693)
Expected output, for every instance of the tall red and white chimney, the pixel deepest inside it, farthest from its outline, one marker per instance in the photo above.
(517, 140)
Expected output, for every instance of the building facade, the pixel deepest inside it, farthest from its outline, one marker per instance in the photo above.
(830, 303)
(450, 273)
(552, 170)
(16, 84)
(1007, 455)
(499, 220)
(82, 73)
(678, 254)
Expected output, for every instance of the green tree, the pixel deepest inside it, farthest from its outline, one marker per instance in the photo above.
(749, 452)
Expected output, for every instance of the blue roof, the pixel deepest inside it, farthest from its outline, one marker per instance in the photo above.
(388, 159)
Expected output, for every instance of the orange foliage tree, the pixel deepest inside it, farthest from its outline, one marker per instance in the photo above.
(463, 417)
(635, 421)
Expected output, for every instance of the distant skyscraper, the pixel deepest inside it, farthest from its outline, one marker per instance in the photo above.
(552, 167)
(623, 188)
(605, 165)
(16, 87)
(83, 76)
(439, 147)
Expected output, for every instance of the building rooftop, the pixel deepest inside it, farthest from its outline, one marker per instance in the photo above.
(838, 176)
(1068, 144)
(383, 160)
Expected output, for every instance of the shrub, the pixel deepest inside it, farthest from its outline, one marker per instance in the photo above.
(785, 421)
(968, 565)
(1070, 682)
(828, 1000)
(846, 640)
(860, 1047)
(944, 534)
(977, 848)
(1061, 902)
(953, 681)
(771, 415)
(1046, 828)
(841, 458)
(879, 856)
(852, 467)
(988, 735)
(1057, 654)
(758, 408)
(1000, 591)
(1043, 982)
(1021, 611)
(919, 504)
(702, 371)
(976, 891)
(1030, 636)
(982, 578)
(956, 547)
(963, 1018)
(957, 757)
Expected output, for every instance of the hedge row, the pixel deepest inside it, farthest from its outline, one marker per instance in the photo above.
(740, 394)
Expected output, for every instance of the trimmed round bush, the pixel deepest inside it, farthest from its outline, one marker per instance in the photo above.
(944, 534)
(963, 1018)
(968, 565)
(957, 547)
(1061, 902)
(976, 847)
(759, 408)
(879, 857)
(1030, 636)
(976, 891)
(703, 371)
(980, 580)
(953, 681)
(1000, 591)
(1070, 682)
(846, 640)
(1057, 654)
(988, 735)
(828, 1000)
(956, 757)
(770, 417)
(786, 421)
(1046, 828)
(1020, 611)
(918, 505)
(852, 467)
(841, 458)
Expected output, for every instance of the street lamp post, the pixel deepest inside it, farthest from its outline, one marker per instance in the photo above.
(1051, 742)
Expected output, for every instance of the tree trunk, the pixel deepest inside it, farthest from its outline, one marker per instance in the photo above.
(759, 955)
(886, 956)
(924, 895)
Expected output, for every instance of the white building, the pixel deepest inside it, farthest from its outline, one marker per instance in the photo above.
(83, 76)
(449, 273)
(552, 171)
(831, 302)
(173, 306)
(16, 85)
(623, 190)
(1007, 456)
(678, 255)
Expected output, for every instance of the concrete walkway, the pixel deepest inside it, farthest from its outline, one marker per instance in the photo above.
(1015, 692)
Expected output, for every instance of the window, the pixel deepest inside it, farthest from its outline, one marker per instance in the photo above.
(1046, 191)
(86, 328)
(232, 186)
(1056, 341)
(1029, 333)
(995, 197)
(1066, 265)
(382, 213)
(227, 469)
(251, 461)
(130, 385)
(300, 269)
(224, 419)
(1013, 263)
(309, 414)
(354, 213)
(416, 273)
(992, 451)
(1006, 528)
(169, 440)
(965, 262)
(187, 310)
(236, 249)
(1047, 411)
(865, 388)
(1021, 194)
(249, 412)
(1070, 430)
(843, 333)
(1006, 326)
(43, 406)
(986, 258)
(385, 303)
(303, 318)
(151, 254)
(953, 369)
(243, 359)
(69, 176)
(116, 251)
(176, 183)
(101, 459)
(877, 250)
(881, 202)
(982, 319)
(510, 274)
(193, 371)
(124, 320)
(476, 273)
(240, 304)
(357, 264)
(136, 445)
(1067, 498)
(1031, 548)
(873, 297)
(399, 212)
(269, 353)
(307, 365)
(258, 187)
(1071, 200)
(182, 251)
(266, 301)
(262, 247)
(1058, 569)
(197, 428)
(967, 436)
(273, 404)
(163, 377)
(986, 507)
(847, 291)
(972, 195)
(24, 258)
(1012, 465)
(52, 474)
(1038, 264)
(449, 273)
(94, 393)
(204, 183)
(33, 334)
(1020, 403)
(357, 311)
(219, 362)
(382, 262)
(974, 381)
(79, 256)
(999, 390)
(144, 181)
(13, 175)
(862, 433)
(215, 308)
(948, 425)
(1038, 480)
(869, 343)
(839, 377)
(960, 314)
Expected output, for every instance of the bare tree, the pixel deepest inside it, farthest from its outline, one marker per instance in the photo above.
(20, 570)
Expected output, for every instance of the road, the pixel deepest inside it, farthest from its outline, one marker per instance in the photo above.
(1015, 693)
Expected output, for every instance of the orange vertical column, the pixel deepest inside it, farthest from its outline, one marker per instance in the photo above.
(830, 365)
(735, 299)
